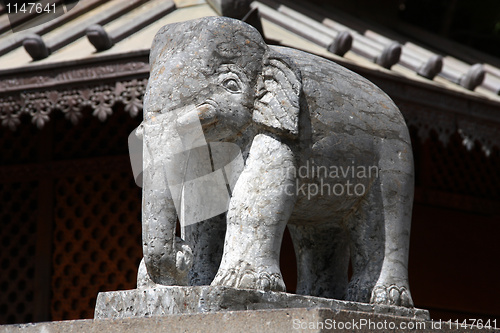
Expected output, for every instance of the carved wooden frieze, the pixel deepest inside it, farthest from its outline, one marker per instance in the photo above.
(101, 98)
(39, 105)
(11, 109)
(75, 73)
(71, 87)
(473, 129)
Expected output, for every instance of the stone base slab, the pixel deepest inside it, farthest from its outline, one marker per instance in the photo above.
(275, 321)
(160, 301)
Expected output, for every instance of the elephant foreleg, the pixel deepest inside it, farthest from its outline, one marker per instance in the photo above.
(261, 204)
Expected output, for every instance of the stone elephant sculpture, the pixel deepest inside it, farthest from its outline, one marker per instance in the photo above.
(321, 149)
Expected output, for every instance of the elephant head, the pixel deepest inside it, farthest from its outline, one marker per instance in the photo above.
(211, 80)
(222, 68)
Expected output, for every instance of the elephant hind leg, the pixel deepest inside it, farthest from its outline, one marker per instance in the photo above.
(206, 240)
(381, 231)
(322, 260)
(392, 286)
(367, 238)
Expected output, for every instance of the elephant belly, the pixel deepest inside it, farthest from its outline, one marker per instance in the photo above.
(337, 174)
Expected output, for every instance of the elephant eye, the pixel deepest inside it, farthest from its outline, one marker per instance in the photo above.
(232, 85)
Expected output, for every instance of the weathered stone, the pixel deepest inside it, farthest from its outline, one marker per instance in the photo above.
(165, 300)
(247, 138)
(276, 321)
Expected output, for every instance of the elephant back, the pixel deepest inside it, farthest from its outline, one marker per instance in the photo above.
(341, 101)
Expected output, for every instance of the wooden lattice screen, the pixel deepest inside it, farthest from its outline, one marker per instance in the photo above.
(97, 231)
(93, 224)
(454, 169)
(18, 229)
(17, 258)
(97, 241)
(469, 178)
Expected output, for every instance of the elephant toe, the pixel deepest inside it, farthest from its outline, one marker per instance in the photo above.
(249, 279)
(278, 282)
(226, 278)
(270, 282)
(391, 295)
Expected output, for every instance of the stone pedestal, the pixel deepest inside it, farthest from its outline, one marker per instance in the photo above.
(170, 300)
(275, 321)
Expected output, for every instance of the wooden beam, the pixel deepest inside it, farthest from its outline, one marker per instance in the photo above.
(102, 39)
(16, 40)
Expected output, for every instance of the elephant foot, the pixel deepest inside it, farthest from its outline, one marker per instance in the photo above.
(358, 290)
(143, 279)
(391, 295)
(249, 279)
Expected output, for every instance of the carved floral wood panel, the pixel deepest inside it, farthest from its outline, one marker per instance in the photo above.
(39, 105)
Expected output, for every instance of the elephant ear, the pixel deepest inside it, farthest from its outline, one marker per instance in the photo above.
(277, 105)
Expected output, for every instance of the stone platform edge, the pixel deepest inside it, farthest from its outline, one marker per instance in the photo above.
(257, 321)
(168, 300)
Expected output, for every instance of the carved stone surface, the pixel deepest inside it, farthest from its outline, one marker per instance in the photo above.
(264, 137)
(162, 301)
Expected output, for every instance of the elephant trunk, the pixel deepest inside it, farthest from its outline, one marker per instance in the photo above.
(175, 151)
(167, 258)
